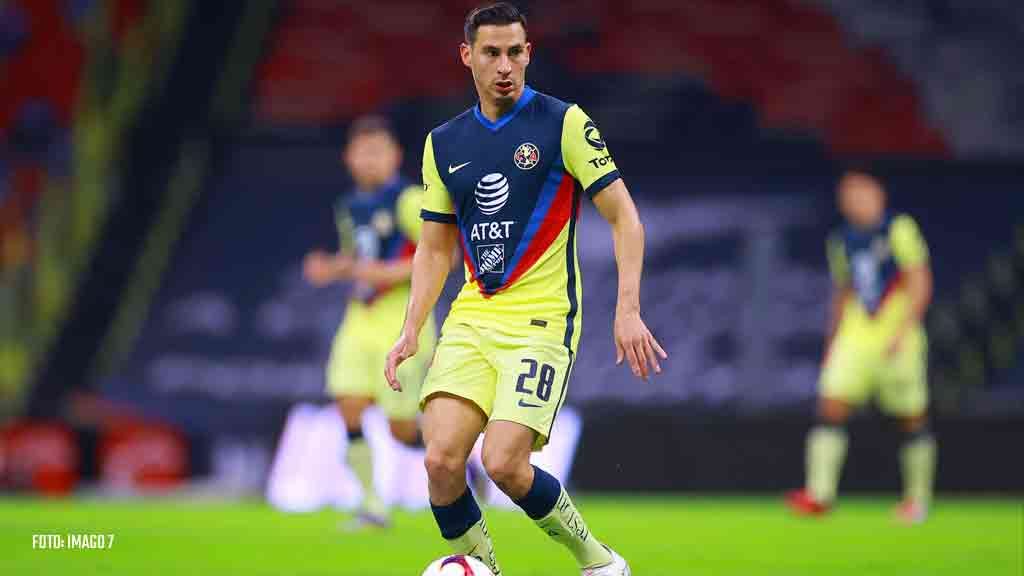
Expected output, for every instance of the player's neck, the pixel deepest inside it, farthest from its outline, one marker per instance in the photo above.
(493, 110)
(371, 187)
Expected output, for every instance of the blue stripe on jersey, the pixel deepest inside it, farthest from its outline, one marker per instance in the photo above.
(547, 196)
(437, 216)
(570, 267)
(524, 99)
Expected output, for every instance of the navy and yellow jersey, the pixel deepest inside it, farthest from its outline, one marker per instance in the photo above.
(513, 188)
(382, 226)
(871, 263)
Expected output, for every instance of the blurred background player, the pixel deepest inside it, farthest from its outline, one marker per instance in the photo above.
(882, 285)
(379, 226)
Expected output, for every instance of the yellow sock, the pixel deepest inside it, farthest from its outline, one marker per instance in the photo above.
(565, 525)
(918, 461)
(360, 460)
(476, 542)
(826, 451)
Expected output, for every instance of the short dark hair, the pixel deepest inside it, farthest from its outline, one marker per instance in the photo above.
(861, 167)
(370, 124)
(498, 14)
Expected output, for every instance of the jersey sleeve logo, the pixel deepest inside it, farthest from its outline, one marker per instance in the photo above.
(492, 193)
(527, 156)
(593, 136)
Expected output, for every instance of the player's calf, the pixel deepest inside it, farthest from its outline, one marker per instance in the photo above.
(917, 459)
(406, 432)
(825, 454)
(549, 506)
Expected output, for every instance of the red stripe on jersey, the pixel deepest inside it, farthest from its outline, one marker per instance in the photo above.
(554, 221)
(407, 251)
(895, 284)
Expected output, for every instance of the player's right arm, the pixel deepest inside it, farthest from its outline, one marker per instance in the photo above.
(430, 264)
(841, 289)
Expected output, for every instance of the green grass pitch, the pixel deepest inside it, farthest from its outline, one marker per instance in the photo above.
(667, 536)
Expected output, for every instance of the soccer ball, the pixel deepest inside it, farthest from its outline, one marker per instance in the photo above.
(457, 566)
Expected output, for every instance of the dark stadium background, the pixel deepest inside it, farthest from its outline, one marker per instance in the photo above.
(165, 165)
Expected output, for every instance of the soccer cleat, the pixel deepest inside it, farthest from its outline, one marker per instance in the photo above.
(911, 513)
(801, 503)
(365, 520)
(617, 567)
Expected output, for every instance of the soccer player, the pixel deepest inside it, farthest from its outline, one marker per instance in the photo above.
(882, 285)
(379, 225)
(505, 180)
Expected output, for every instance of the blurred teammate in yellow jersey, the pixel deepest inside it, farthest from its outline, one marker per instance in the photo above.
(379, 226)
(876, 345)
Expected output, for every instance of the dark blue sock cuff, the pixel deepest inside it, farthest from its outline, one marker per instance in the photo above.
(543, 495)
(458, 517)
(922, 433)
(356, 434)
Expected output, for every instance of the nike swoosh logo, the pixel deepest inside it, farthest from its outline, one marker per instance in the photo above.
(528, 405)
(454, 169)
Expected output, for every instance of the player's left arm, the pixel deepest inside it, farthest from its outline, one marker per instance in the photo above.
(911, 254)
(390, 272)
(633, 340)
(587, 158)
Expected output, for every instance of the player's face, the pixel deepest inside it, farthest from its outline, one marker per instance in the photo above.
(372, 159)
(861, 200)
(498, 58)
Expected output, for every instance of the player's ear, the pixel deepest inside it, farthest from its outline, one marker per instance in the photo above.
(345, 155)
(466, 53)
(528, 49)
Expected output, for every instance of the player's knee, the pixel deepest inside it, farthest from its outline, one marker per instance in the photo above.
(833, 412)
(443, 465)
(406, 432)
(915, 426)
(504, 468)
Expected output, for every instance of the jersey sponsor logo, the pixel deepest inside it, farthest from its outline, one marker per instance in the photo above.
(593, 136)
(600, 160)
(880, 248)
(491, 230)
(491, 258)
(492, 193)
(383, 222)
(367, 242)
(527, 156)
(454, 169)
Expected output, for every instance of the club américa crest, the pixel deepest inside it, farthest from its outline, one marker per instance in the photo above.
(527, 156)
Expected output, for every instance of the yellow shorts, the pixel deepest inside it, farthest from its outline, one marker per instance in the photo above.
(857, 369)
(518, 378)
(360, 349)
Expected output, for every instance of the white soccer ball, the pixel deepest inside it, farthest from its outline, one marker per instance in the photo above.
(457, 566)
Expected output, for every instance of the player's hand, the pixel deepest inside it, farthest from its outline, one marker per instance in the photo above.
(316, 267)
(404, 349)
(634, 342)
(895, 345)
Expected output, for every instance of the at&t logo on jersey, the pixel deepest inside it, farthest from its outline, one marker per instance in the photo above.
(492, 193)
(527, 156)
